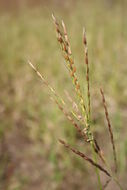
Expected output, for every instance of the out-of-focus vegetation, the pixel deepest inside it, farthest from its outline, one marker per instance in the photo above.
(30, 124)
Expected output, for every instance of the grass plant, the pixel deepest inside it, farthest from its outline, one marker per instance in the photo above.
(83, 124)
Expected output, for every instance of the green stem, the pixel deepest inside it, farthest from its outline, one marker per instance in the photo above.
(96, 169)
(117, 182)
(113, 177)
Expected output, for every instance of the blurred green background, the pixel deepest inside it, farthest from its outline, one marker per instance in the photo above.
(30, 124)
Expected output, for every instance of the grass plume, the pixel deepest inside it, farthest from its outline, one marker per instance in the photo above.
(67, 54)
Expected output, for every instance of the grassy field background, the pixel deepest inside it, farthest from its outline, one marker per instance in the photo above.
(30, 124)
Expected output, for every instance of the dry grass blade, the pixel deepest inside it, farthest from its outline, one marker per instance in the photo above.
(110, 128)
(82, 155)
(87, 68)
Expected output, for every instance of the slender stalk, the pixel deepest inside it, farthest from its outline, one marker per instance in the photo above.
(71, 120)
(111, 173)
(115, 179)
(52, 90)
(88, 97)
(117, 182)
(87, 69)
(106, 184)
(82, 155)
(96, 169)
(110, 129)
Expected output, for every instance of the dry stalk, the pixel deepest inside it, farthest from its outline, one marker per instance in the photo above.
(106, 184)
(82, 155)
(52, 90)
(109, 128)
(98, 150)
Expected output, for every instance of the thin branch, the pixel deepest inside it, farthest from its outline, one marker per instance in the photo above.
(109, 128)
(82, 155)
(87, 68)
(106, 184)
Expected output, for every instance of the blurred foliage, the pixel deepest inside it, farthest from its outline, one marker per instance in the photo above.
(27, 116)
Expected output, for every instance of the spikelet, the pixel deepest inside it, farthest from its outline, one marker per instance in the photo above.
(75, 113)
(66, 38)
(56, 99)
(66, 49)
(52, 90)
(69, 117)
(87, 70)
(82, 155)
(109, 128)
(80, 131)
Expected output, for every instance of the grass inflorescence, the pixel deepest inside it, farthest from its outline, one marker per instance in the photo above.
(83, 108)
